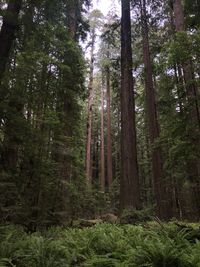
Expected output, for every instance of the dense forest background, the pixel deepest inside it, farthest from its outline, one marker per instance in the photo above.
(87, 130)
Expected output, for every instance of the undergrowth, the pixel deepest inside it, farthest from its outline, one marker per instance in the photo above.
(104, 245)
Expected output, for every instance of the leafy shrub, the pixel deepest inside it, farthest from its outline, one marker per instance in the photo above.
(132, 216)
(104, 245)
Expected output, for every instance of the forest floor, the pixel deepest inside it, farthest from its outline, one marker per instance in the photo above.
(103, 245)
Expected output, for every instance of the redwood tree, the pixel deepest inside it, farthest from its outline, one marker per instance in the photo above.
(8, 30)
(153, 124)
(90, 104)
(187, 65)
(192, 106)
(95, 22)
(102, 179)
(109, 136)
(129, 184)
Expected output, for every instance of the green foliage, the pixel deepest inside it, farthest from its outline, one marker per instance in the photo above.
(133, 216)
(192, 12)
(41, 132)
(180, 48)
(102, 245)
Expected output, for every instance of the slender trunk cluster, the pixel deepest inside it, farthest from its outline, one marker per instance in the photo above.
(102, 179)
(109, 135)
(152, 119)
(192, 108)
(191, 90)
(90, 112)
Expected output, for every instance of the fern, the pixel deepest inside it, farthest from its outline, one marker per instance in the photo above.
(103, 245)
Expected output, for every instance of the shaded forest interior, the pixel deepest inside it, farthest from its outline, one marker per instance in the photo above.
(99, 114)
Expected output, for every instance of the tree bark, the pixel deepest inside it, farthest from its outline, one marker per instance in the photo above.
(180, 86)
(7, 34)
(191, 90)
(178, 16)
(102, 180)
(129, 184)
(109, 136)
(153, 125)
(72, 18)
(193, 124)
(90, 111)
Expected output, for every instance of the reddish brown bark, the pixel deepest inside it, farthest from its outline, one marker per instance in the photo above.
(7, 34)
(153, 125)
(191, 89)
(180, 86)
(72, 18)
(193, 125)
(90, 105)
(109, 136)
(102, 179)
(129, 183)
(178, 16)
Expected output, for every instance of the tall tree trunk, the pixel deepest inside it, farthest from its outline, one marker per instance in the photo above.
(7, 34)
(73, 18)
(193, 124)
(90, 107)
(153, 124)
(178, 16)
(95, 159)
(102, 180)
(129, 184)
(109, 136)
(179, 86)
(191, 89)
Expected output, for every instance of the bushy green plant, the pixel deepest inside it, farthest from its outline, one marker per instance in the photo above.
(11, 239)
(104, 245)
(134, 216)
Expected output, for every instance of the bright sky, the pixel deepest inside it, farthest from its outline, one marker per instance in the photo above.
(106, 5)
